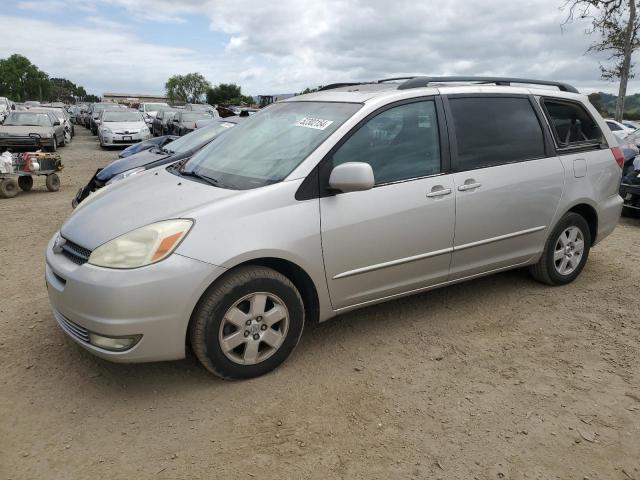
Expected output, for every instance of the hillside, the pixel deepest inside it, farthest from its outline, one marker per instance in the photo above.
(605, 102)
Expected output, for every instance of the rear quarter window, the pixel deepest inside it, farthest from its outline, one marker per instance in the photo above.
(494, 131)
(571, 124)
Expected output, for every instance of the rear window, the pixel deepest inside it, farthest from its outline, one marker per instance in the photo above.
(571, 124)
(495, 130)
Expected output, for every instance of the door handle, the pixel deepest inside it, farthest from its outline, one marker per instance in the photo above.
(438, 192)
(469, 186)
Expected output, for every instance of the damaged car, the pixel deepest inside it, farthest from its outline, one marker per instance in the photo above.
(31, 129)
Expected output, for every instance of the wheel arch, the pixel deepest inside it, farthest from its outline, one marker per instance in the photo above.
(299, 277)
(590, 214)
(296, 274)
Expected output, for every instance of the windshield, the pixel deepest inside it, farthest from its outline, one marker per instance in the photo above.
(114, 116)
(267, 147)
(198, 137)
(150, 107)
(192, 117)
(28, 119)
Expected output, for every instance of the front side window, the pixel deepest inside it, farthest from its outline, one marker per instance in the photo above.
(265, 148)
(494, 131)
(571, 124)
(400, 143)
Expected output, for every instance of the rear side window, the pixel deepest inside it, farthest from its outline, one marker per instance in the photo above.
(613, 127)
(399, 143)
(571, 124)
(495, 130)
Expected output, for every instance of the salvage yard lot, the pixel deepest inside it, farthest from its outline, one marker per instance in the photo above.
(500, 377)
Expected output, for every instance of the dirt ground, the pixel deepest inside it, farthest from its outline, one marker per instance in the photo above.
(498, 378)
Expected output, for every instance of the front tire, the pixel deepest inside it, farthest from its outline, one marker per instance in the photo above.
(54, 145)
(52, 182)
(247, 323)
(8, 188)
(565, 252)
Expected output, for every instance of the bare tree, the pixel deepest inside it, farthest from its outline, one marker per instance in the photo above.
(617, 24)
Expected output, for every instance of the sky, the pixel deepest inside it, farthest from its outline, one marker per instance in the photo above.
(134, 46)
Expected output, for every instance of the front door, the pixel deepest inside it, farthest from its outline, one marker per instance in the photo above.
(396, 237)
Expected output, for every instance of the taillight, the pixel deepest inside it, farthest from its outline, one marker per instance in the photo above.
(618, 155)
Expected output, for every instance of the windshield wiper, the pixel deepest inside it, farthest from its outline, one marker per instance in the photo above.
(211, 181)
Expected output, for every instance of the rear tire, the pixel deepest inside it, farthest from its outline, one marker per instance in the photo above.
(565, 252)
(8, 188)
(53, 182)
(254, 308)
(25, 183)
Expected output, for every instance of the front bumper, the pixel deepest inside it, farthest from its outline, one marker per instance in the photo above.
(26, 141)
(124, 138)
(154, 301)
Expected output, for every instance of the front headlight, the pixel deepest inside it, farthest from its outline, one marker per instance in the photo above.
(143, 246)
(106, 130)
(125, 174)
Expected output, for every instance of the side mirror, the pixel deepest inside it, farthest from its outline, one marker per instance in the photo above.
(56, 123)
(352, 177)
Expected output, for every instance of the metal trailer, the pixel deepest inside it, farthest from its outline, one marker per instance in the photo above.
(22, 176)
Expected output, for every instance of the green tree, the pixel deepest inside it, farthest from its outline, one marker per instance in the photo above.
(186, 88)
(227, 94)
(21, 80)
(617, 23)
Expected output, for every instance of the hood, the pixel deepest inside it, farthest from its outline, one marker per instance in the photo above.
(124, 126)
(24, 130)
(136, 160)
(135, 202)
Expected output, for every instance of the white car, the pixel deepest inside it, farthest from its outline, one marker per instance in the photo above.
(122, 127)
(619, 129)
(149, 110)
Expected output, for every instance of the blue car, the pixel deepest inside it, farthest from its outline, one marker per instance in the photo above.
(158, 142)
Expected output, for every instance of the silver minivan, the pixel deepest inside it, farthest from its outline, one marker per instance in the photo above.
(330, 201)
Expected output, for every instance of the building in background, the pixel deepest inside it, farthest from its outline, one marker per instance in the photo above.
(132, 98)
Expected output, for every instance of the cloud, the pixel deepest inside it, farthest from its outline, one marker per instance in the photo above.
(288, 45)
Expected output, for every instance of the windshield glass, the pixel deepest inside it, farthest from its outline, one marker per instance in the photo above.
(28, 119)
(267, 147)
(115, 116)
(150, 107)
(201, 108)
(198, 137)
(192, 117)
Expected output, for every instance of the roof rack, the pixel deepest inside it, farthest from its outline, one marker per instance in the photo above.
(416, 82)
(338, 85)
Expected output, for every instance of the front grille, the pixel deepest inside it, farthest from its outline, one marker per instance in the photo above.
(71, 328)
(126, 141)
(74, 252)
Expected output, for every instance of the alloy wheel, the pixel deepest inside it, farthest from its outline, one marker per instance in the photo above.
(568, 250)
(254, 328)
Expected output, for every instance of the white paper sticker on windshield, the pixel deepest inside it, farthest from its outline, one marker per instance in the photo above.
(311, 122)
